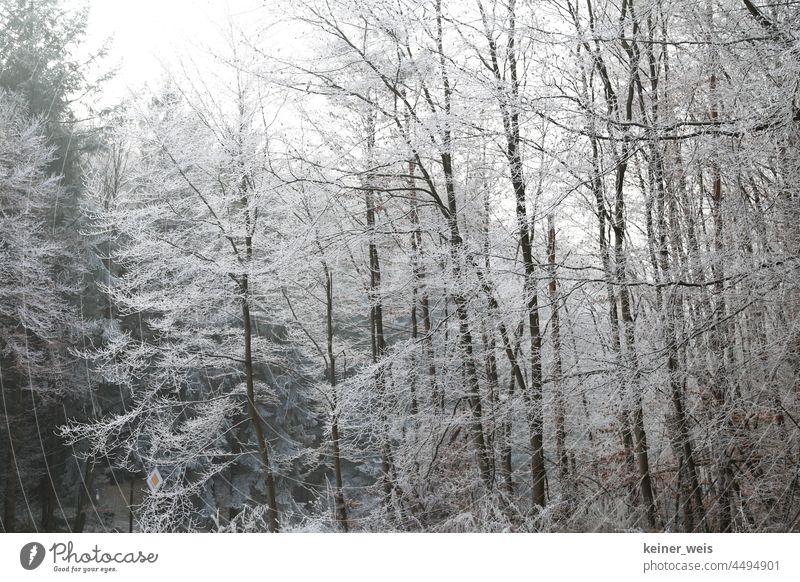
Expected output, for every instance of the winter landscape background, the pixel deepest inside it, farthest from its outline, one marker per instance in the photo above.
(404, 265)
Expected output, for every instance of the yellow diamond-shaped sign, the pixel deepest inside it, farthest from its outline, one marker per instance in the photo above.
(154, 480)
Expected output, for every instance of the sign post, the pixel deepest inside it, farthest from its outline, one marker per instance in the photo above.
(154, 480)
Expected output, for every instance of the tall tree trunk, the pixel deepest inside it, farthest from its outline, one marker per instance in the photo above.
(421, 313)
(488, 336)
(624, 418)
(377, 337)
(54, 456)
(555, 323)
(84, 492)
(629, 337)
(255, 417)
(510, 117)
(658, 242)
(339, 500)
(456, 252)
(720, 335)
(504, 413)
(273, 518)
(620, 258)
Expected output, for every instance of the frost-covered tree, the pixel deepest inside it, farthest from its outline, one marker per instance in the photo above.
(41, 77)
(37, 324)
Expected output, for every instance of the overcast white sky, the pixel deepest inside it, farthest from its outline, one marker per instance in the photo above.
(147, 33)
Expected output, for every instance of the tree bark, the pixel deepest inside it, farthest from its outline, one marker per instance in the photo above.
(339, 500)
(456, 252)
(255, 418)
(84, 492)
(555, 323)
(377, 336)
(510, 117)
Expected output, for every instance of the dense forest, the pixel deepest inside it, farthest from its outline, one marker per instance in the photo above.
(406, 265)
